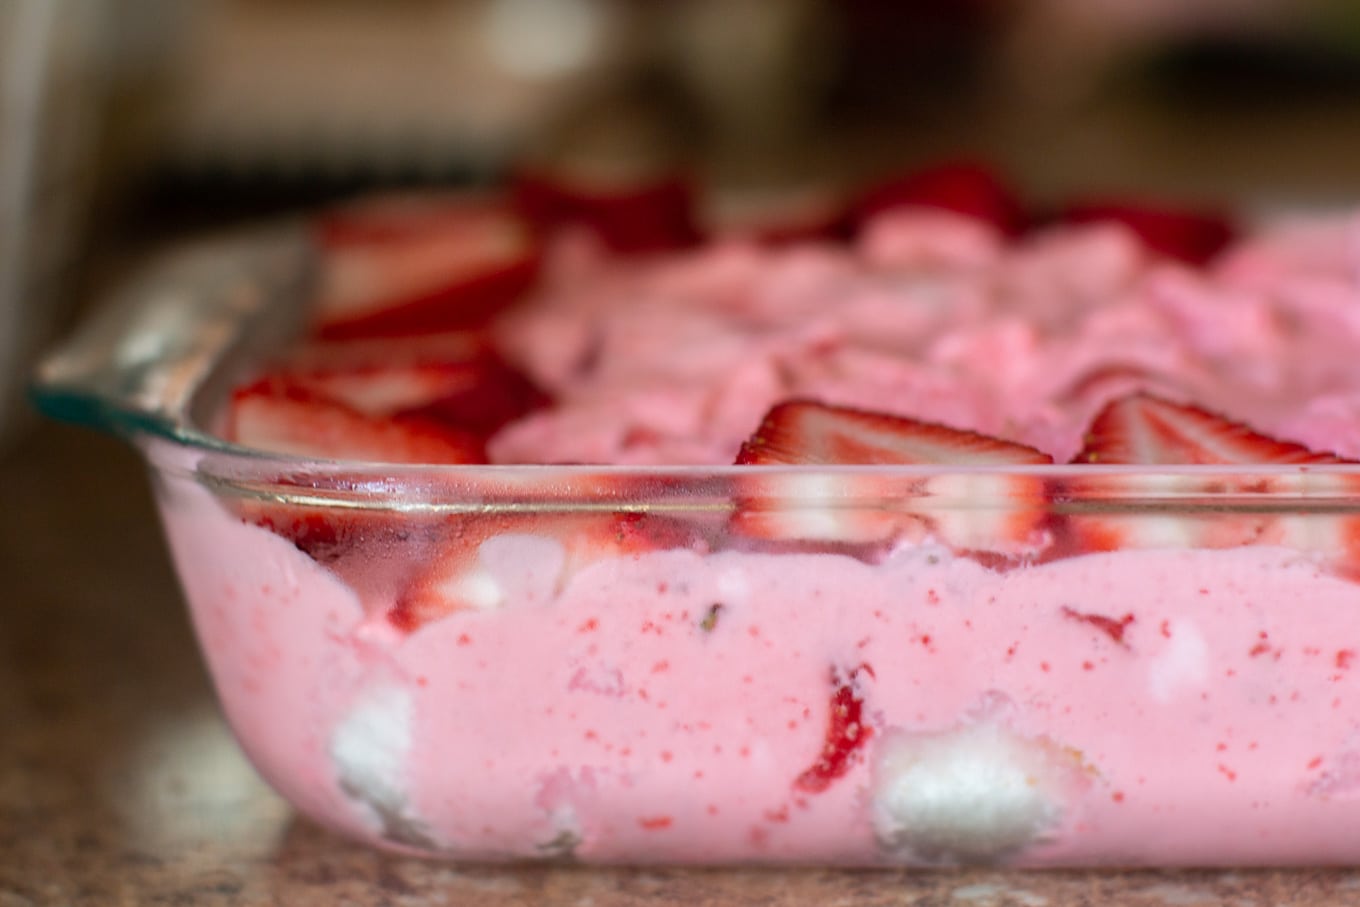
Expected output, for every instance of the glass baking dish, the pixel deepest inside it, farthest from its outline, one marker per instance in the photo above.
(642, 674)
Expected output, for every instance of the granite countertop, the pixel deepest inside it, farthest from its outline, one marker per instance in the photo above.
(120, 783)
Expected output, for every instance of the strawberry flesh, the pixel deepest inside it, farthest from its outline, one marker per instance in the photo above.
(846, 732)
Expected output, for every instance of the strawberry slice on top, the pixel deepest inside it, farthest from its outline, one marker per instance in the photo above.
(999, 513)
(399, 266)
(1150, 430)
(1194, 237)
(275, 415)
(1144, 429)
(650, 213)
(961, 187)
(478, 393)
(805, 432)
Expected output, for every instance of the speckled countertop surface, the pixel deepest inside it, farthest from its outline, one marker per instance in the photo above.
(120, 784)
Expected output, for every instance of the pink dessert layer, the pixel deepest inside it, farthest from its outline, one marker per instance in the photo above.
(936, 317)
(602, 716)
(1161, 704)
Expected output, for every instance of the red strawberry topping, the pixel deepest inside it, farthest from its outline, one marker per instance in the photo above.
(1146, 429)
(962, 187)
(799, 432)
(859, 508)
(846, 732)
(403, 266)
(277, 416)
(479, 394)
(654, 215)
(1194, 237)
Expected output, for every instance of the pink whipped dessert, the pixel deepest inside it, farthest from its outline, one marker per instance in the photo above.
(957, 653)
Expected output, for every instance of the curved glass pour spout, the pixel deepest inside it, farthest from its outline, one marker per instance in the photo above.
(159, 356)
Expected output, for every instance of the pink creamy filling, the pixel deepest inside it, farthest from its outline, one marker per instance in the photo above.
(606, 721)
(933, 316)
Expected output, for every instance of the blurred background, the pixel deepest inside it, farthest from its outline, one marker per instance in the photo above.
(128, 121)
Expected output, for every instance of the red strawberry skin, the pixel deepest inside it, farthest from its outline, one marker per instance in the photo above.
(279, 417)
(1194, 237)
(847, 732)
(961, 187)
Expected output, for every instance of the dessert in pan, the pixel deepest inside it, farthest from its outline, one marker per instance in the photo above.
(922, 531)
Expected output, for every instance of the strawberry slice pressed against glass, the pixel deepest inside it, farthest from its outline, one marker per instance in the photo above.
(861, 508)
(1147, 430)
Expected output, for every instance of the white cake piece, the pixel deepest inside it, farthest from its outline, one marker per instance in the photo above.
(972, 794)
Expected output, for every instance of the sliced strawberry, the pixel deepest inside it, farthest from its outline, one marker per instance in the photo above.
(804, 432)
(458, 576)
(1149, 430)
(963, 187)
(367, 547)
(846, 731)
(654, 215)
(999, 513)
(1143, 429)
(277, 416)
(401, 266)
(329, 534)
(1194, 237)
(479, 394)
(374, 550)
